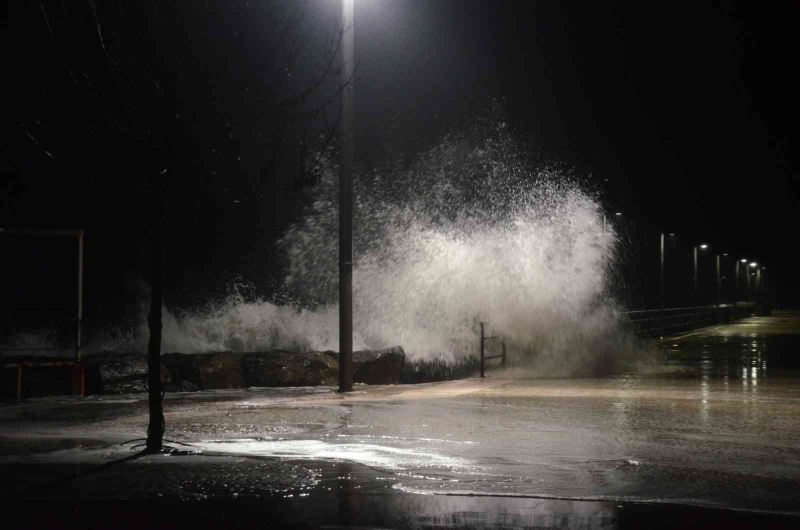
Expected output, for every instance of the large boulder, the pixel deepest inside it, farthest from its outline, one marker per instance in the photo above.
(118, 373)
(284, 368)
(204, 371)
(379, 367)
(112, 372)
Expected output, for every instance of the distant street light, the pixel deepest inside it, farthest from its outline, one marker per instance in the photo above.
(750, 280)
(739, 262)
(605, 220)
(702, 246)
(662, 267)
(346, 134)
(661, 276)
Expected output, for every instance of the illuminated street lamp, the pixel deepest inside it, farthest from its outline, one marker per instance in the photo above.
(739, 263)
(702, 246)
(749, 275)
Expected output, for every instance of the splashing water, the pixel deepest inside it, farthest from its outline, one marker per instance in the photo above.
(479, 228)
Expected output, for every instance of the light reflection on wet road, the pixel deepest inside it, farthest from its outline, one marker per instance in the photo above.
(716, 423)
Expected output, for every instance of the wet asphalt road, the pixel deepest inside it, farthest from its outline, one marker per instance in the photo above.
(713, 424)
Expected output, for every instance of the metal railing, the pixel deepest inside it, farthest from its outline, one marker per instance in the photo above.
(484, 357)
(648, 323)
(78, 370)
(76, 316)
(661, 322)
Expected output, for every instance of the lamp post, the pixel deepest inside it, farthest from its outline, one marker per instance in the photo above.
(695, 281)
(738, 263)
(661, 261)
(605, 221)
(750, 286)
(661, 272)
(346, 135)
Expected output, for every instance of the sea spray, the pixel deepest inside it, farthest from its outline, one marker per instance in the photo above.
(480, 228)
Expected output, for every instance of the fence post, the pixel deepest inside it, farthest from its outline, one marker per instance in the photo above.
(19, 382)
(503, 360)
(482, 354)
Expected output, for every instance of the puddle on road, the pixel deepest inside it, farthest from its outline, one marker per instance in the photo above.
(372, 455)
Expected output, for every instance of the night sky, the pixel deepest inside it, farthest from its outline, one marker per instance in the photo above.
(683, 115)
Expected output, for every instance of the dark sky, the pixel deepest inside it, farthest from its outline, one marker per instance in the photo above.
(689, 110)
(684, 113)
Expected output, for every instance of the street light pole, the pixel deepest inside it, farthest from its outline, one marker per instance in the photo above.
(736, 280)
(719, 283)
(739, 287)
(661, 277)
(697, 248)
(752, 290)
(346, 135)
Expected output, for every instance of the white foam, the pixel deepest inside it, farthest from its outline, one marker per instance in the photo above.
(476, 229)
(381, 456)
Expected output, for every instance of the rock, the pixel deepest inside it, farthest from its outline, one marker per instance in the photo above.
(112, 372)
(205, 371)
(118, 373)
(284, 368)
(437, 369)
(379, 367)
(184, 386)
(222, 370)
(184, 368)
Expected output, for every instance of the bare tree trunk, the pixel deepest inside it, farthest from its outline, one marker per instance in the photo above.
(155, 431)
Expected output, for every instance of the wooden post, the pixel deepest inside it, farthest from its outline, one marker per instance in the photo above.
(482, 350)
(19, 382)
(661, 273)
(503, 360)
(79, 326)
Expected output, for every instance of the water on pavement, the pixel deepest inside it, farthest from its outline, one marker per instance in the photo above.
(715, 423)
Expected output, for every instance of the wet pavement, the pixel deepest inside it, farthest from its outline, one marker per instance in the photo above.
(708, 433)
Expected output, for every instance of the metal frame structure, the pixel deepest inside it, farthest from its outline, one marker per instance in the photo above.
(78, 234)
(485, 357)
(663, 322)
